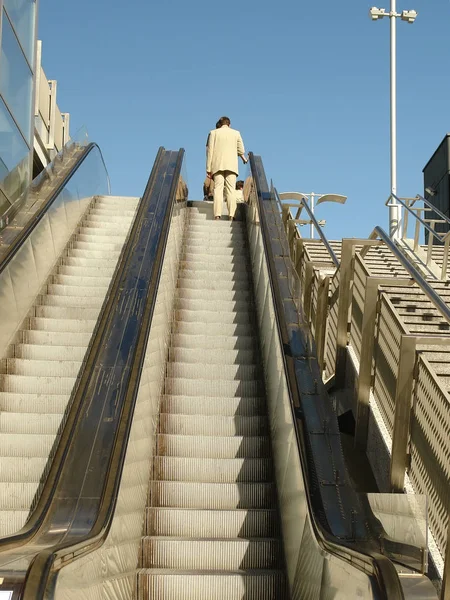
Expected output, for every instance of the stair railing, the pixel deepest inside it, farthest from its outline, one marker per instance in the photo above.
(428, 224)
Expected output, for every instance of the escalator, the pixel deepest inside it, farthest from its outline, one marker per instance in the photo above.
(43, 363)
(212, 527)
(198, 456)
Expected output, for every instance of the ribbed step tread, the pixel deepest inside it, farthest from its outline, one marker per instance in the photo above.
(72, 325)
(212, 329)
(17, 496)
(67, 312)
(82, 282)
(71, 301)
(76, 261)
(87, 270)
(47, 352)
(33, 423)
(213, 357)
(57, 289)
(205, 343)
(205, 304)
(16, 444)
(197, 405)
(195, 585)
(213, 283)
(214, 296)
(12, 521)
(47, 368)
(195, 523)
(213, 446)
(210, 554)
(213, 316)
(58, 338)
(188, 494)
(33, 403)
(213, 470)
(219, 425)
(17, 469)
(39, 385)
(213, 388)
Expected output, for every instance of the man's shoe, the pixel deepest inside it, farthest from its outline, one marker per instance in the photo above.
(216, 218)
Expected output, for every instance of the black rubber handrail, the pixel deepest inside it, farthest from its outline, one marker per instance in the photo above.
(36, 218)
(337, 517)
(77, 505)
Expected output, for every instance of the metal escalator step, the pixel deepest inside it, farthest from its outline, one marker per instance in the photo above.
(187, 494)
(87, 271)
(234, 372)
(214, 284)
(215, 243)
(208, 425)
(208, 342)
(32, 403)
(57, 289)
(33, 423)
(201, 585)
(57, 338)
(72, 325)
(205, 304)
(43, 352)
(98, 247)
(34, 446)
(213, 316)
(73, 301)
(84, 282)
(222, 236)
(207, 250)
(66, 312)
(92, 238)
(76, 261)
(104, 253)
(100, 216)
(213, 388)
(218, 264)
(12, 520)
(104, 228)
(14, 469)
(214, 296)
(37, 385)
(214, 446)
(47, 368)
(197, 223)
(17, 496)
(217, 259)
(211, 329)
(212, 470)
(196, 405)
(212, 357)
(231, 276)
(210, 554)
(195, 523)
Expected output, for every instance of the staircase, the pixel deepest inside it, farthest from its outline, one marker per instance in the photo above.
(39, 374)
(212, 525)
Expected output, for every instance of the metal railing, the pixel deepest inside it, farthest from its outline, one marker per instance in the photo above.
(428, 225)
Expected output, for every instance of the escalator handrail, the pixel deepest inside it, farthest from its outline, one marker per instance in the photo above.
(38, 523)
(366, 560)
(40, 574)
(36, 218)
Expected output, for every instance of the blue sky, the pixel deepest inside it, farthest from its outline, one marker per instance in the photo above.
(306, 83)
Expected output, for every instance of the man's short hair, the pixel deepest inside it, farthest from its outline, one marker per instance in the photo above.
(240, 184)
(224, 121)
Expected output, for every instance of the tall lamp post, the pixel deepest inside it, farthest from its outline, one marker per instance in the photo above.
(409, 16)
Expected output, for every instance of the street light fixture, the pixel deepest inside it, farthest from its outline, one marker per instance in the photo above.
(310, 198)
(409, 16)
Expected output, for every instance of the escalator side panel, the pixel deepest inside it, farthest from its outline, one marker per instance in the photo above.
(111, 569)
(22, 276)
(309, 568)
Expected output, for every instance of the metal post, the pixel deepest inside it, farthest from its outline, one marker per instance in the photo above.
(394, 209)
(311, 204)
(445, 592)
(402, 415)
(365, 362)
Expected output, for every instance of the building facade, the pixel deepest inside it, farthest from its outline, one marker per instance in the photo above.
(17, 67)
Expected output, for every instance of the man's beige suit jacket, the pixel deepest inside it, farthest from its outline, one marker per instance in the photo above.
(223, 148)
